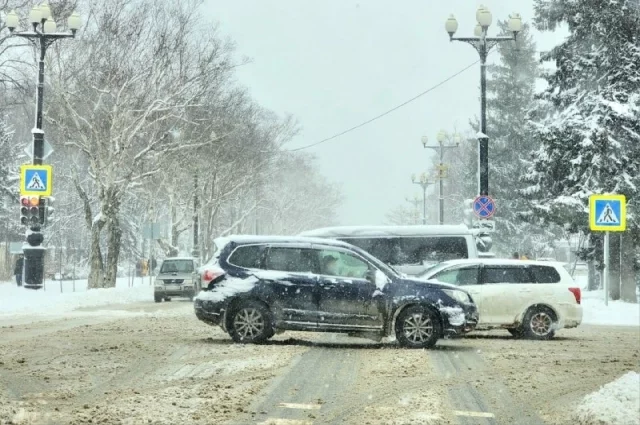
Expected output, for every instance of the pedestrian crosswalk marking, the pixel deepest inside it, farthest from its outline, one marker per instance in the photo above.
(607, 216)
(35, 183)
(473, 414)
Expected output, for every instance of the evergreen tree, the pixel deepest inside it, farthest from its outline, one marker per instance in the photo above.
(510, 91)
(587, 119)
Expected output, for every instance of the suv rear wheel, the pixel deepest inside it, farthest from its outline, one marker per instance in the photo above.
(539, 323)
(251, 323)
(417, 326)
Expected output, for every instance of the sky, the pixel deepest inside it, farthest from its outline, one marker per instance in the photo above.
(336, 63)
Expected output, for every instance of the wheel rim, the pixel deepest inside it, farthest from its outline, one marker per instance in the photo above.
(541, 323)
(248, 323)
(418, 327)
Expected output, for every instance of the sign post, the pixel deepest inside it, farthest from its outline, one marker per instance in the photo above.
(152, 231)
(607, 213)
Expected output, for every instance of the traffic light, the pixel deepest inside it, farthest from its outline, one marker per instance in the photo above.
(30, 210)
(46, 210)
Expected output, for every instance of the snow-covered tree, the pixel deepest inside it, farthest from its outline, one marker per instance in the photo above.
(587, 120)
(510, 91)
(121, 90)
(9, 163)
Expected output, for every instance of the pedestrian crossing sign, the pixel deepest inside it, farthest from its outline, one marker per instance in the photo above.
(608, 213)
(36, 180)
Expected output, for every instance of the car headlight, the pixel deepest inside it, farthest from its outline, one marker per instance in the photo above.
(460, 296)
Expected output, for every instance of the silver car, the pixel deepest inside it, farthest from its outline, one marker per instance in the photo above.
(176, 279)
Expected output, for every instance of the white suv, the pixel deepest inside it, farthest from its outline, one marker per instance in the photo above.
(528, 298)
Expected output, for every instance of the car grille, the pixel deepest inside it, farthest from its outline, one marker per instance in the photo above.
(167, 281)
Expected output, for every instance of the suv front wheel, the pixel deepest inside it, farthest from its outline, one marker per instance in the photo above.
(417, 326)
(251, 323)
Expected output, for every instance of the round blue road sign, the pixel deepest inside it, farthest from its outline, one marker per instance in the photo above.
(484, 206)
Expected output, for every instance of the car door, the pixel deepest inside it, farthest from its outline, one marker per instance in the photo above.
(346, 295)
(291, 284)
(502, 290)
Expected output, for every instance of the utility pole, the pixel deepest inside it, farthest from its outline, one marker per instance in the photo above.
(43, 33)
(441, 175)
(483, 46)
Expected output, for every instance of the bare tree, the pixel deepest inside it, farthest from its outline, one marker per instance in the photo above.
(131, 78)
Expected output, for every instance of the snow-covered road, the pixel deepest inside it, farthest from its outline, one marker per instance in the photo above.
(141, 362)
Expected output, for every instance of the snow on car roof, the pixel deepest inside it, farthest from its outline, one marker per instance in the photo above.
(245, 239)
(501, 262)
(363, 231)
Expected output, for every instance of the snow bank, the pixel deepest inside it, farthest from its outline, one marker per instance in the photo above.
(617, 313)
(53, 301)
(616, 403)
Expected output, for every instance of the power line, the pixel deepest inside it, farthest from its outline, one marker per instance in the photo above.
(451, 77)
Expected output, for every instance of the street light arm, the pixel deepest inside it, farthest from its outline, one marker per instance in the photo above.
(489, 42)
(39, 34)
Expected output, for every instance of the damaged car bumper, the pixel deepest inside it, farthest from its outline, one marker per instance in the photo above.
(458, 321)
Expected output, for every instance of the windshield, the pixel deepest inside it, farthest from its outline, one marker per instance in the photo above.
(177, 266)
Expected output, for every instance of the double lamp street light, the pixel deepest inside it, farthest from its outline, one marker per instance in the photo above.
(483, 46)
(43, 33)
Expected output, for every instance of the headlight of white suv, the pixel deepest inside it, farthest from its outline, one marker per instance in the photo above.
(460, 296)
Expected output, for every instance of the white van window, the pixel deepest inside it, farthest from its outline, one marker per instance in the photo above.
(413, 250)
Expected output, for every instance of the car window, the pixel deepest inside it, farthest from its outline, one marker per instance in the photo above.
(248, 256)
(290, 260)
(343, 264)
(505, 274)
(545, 274)
(413, 250)
(177, 266)
(459, 276)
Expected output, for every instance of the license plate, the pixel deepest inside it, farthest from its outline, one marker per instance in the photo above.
(172, 287)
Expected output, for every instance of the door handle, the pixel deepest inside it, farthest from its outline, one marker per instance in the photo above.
(328, 285)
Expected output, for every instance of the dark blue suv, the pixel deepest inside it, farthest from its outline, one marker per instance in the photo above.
(257, 285)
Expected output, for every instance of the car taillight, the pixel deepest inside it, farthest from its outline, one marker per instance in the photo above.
(210, 275)
(576, 293)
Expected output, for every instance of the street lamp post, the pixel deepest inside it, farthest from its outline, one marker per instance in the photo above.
(415, 215)
(43, 34)
(441, 148)
(424, 182)
(483, 46)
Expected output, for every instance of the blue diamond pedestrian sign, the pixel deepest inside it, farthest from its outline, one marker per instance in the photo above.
(36, 180)
(484, 206)
(607, 213)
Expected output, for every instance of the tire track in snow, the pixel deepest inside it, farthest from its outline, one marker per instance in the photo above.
(471, 407)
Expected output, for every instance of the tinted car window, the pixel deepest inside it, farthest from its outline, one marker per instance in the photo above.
(291, 259)
(177, 266)
(337, 263)
(459, 276)
(504, 274)
(545, 274)
(413, 250)
(247, 256)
